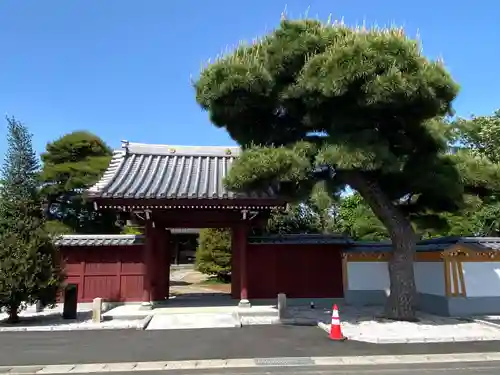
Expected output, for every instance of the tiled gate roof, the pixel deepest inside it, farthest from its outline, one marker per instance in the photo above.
(100, 240)
(144, 171)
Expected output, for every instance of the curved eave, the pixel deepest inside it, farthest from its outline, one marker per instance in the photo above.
(124, 204)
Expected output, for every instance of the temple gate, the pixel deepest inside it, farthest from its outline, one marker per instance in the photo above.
(168, 187)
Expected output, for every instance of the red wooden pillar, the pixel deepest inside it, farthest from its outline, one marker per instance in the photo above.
(235, 266)
(239, 247)
(149, 264)
(164, 263)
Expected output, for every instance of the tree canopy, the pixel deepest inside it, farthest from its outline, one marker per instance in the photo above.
(71, 164)
(365, 102)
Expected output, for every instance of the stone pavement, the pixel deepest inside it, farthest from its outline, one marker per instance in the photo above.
(238, 363)
(193, 321)
(363, 324)
(176, 316)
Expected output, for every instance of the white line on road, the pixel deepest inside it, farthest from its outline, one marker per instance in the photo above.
(252, 362)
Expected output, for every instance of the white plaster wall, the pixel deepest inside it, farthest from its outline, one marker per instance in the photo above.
(429, 278)
(367, 276)
(482, 279)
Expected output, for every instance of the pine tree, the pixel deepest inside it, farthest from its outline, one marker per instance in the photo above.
(364, 102)
(29, 262)
(72, 164)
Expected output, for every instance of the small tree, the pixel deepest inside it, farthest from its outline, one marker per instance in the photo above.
(29, 261)
(213, 255)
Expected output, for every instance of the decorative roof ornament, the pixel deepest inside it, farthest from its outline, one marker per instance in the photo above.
(125, 145)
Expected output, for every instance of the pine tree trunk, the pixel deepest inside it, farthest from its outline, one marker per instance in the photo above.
(401, 302)
(13, 312)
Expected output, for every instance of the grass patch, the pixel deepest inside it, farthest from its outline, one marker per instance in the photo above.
(215, 281)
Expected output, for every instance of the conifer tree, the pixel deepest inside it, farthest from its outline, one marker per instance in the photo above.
(213, 255)
(29, 261)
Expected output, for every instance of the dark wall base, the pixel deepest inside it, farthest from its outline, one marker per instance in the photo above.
(438, 305)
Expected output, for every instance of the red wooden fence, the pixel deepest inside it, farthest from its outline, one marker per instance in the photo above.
(114, 273)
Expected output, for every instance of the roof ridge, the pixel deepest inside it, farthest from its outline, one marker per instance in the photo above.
(102, 236)
(185, 150)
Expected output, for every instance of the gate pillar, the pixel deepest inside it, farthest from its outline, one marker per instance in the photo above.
(239, 250)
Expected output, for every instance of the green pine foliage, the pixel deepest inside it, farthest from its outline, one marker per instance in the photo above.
(357, 221)
(213, 255)
(366, 102)
(29, 261)
(297, 218)
(72, 164)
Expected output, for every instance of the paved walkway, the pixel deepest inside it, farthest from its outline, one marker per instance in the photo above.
(194, 321)
(189, 281)
(288, 362)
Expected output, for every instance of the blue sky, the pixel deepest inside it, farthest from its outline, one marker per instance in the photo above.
(121, 68)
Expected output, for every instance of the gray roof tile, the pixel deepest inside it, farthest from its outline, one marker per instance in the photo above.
(482, 243)
(435, 244)
(99, 240)
(301, 239)
(142, 171)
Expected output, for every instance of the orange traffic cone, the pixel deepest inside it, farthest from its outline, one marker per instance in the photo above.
(335, 328)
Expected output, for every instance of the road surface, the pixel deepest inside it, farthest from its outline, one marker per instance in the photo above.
(40, 348)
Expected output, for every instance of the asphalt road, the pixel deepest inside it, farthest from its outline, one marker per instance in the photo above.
(479, 368)
(45, 348)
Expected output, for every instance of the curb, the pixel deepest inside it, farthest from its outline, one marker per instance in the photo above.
(298, 322)
(487, 323)
(251, 363)
(62, 328)
(145, 323)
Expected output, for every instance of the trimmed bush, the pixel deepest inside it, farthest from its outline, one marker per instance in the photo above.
(213, 255)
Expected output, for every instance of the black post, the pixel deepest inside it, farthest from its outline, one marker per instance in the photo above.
(70, 308)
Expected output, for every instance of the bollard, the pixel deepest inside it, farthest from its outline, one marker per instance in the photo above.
(282, 309)
(70, 307)
(97, 310)
(39, 306)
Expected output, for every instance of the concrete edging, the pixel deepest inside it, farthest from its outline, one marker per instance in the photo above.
(207, 364)
(142, 325)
